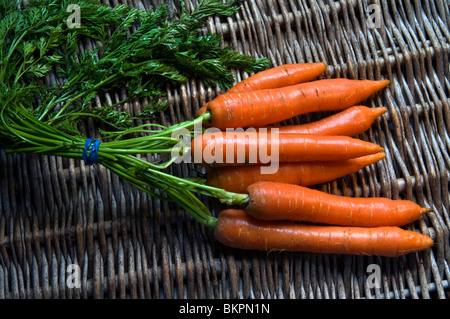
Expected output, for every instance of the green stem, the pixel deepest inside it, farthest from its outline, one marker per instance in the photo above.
(224, 196)
(11, 50)
(176, 193)
(117, 156)
(64, 97)
(80, 95)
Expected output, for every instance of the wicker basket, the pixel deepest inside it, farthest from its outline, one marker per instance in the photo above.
(60, 219)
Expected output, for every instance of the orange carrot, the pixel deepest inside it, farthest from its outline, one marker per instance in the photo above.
(237, 229)
(237, 178)
(250, 147)
(349, 122)
(263, 107)
(281, 201)
(279, 76)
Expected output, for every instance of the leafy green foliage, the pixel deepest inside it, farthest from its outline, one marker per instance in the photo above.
(136, 50)
(139, 51)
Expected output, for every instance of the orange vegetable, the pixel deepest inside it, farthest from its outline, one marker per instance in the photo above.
(349, 122)
(237, 229)
(237, 178)
(249, 147)
(279, 76)
(263, 107)
(281, 201)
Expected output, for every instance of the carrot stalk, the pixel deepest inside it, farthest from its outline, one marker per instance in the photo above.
(237, 229)
(237, 178)
(349, 122)
(240, 147)
(263, 107)
(279, 76)
(281, 201)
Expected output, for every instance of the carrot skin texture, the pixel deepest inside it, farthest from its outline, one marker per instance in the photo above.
(237, 178)
(281, 201)
(262, 107)
(291, 147)
(237, 229)
(349, 122)
(279, 76)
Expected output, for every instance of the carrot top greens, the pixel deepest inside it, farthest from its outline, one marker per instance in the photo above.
(112, 48)
(136, 50)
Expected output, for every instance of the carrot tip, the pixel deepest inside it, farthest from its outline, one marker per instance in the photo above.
(425, 242)
(379, 85)
(378, 111)
(428, 242)
(324, 65)
(372, 158)
(378, 156)
(425, 210)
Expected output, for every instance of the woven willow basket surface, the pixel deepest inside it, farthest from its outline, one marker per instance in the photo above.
(57, 212)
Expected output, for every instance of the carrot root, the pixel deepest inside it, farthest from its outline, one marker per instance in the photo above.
(280, 76)
(237, 178)
(281, 201)
(276, 77)
(237, 229)
(263, 107)
(237, 148)
(349, 122)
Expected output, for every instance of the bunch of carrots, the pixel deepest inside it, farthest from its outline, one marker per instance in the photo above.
(277, 211)
(281, 212)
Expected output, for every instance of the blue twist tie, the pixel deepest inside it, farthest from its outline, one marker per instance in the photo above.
(92, 157)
